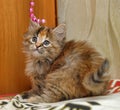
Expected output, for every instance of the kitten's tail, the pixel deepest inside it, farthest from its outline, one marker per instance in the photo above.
(98, 81)
(102, 74)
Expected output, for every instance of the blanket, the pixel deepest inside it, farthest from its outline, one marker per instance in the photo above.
(110, 101)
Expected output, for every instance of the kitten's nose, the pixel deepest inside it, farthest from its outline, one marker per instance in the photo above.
(38, 45)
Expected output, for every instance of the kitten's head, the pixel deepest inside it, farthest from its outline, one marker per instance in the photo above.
(43, 42)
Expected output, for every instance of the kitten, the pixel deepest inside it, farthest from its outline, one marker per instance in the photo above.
(61, 70)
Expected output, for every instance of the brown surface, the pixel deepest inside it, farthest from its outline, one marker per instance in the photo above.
(14, 17)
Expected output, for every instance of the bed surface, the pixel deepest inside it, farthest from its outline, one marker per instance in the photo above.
(110, 101)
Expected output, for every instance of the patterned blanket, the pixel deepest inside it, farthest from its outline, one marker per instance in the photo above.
(110, 101)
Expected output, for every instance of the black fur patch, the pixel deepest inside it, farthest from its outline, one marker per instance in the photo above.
(40, 29)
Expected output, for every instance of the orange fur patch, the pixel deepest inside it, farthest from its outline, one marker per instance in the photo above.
(43, 33)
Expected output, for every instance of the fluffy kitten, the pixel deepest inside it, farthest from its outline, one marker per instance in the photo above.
(62, 70)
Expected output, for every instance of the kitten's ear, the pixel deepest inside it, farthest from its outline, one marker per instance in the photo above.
(60, 31)
(33, 26)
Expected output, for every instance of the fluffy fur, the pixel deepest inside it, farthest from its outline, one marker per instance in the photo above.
(61, 70)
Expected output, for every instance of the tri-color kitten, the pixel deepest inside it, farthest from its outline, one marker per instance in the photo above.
(62, 70)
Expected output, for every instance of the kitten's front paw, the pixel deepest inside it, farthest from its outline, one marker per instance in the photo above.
(27, 99)
(25, 95)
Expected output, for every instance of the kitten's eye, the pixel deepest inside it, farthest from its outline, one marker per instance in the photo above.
(46, 43)
(34, 39)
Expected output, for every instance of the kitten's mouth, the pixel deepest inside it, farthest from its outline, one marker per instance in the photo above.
(39, 51)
